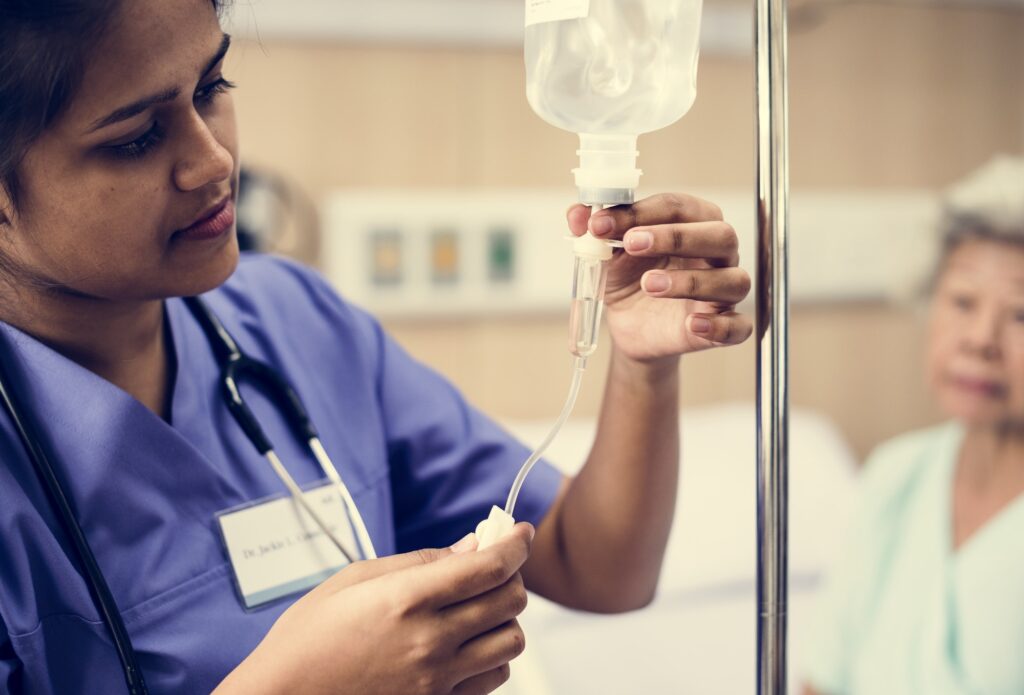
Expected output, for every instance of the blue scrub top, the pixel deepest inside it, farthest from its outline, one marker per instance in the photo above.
(423, 466)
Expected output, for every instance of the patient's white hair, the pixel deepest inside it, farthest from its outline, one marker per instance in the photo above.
(987, 204)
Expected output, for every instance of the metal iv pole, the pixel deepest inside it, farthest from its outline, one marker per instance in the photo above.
(772, 346)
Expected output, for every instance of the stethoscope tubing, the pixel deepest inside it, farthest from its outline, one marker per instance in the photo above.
(98, 587)
(234, 365)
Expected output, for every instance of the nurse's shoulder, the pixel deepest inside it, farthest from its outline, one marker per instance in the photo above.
(280, 298)
(267, 283)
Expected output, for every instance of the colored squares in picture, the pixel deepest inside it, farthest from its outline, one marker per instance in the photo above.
(386, 257)
(444, 257)
(501, 255)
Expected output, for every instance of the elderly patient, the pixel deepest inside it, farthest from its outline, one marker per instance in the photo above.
(929, 595)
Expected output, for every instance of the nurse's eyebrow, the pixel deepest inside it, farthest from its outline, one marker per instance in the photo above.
(134, 109)
(137, 107)
(222, 50)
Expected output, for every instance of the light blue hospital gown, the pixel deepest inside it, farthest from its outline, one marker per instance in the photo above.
(903, 613)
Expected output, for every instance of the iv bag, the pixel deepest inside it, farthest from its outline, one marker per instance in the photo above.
(611, 66)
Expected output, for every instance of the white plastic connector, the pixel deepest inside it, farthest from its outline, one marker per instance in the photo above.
(607, 172)
(589, 246)
(495, 527)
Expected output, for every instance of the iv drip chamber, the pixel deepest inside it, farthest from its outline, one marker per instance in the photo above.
(588, 283)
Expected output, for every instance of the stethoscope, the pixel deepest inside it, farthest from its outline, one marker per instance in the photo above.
(235, 365)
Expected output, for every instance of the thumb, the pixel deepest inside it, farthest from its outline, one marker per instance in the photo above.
(424, 556)
(366, 570)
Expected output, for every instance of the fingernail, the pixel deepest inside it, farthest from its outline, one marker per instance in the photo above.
(638, 240)
(655, 282)
(465, 545)
(601, 225)
(700, 325)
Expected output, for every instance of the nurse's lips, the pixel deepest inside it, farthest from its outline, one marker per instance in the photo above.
(210, 224)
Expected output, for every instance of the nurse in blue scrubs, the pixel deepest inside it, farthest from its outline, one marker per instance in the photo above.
(929, 594)
(119, 167)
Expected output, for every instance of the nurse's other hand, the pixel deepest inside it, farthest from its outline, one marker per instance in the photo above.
(432, 622)
(675, 287)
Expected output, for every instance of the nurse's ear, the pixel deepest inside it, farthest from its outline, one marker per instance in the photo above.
(6, 207)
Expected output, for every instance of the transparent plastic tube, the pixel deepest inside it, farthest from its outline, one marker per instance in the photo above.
(590, 273)
(574, 390)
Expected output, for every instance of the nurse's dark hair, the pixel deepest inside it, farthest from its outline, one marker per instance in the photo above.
(43, 48)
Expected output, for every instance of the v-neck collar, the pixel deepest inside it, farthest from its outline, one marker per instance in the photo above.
(952, 444)
(84, 402)
(126, 471)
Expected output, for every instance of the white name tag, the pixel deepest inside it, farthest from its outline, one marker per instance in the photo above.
(277, 549)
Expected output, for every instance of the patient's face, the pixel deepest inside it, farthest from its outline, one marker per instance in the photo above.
(975, 358)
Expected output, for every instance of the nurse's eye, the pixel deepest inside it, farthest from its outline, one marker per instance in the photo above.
(207, 93)
(140, 146)
(1017, 315)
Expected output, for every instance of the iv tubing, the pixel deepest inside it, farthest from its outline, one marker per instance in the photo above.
(579, 365)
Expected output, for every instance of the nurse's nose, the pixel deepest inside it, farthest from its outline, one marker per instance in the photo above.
(982, 333)
(203, 159)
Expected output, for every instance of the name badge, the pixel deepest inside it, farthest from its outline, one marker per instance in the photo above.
(276, 548)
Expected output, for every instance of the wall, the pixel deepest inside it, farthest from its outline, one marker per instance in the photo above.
(880, 96)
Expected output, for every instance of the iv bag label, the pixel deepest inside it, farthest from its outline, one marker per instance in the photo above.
(539, 11)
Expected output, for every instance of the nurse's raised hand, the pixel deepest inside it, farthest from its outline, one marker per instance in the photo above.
(432, 622)
(675, 287)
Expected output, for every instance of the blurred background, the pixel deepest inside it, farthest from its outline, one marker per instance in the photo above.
(390, 144)
(421, 104)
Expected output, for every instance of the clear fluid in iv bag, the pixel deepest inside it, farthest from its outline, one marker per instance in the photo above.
(629, 66)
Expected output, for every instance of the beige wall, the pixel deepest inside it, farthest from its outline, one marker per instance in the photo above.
(859, 363)
(880, 96)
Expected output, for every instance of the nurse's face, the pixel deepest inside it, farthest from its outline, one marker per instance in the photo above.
(129, 195)
(976, 336)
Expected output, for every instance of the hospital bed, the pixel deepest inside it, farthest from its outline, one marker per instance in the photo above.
(698, 636)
